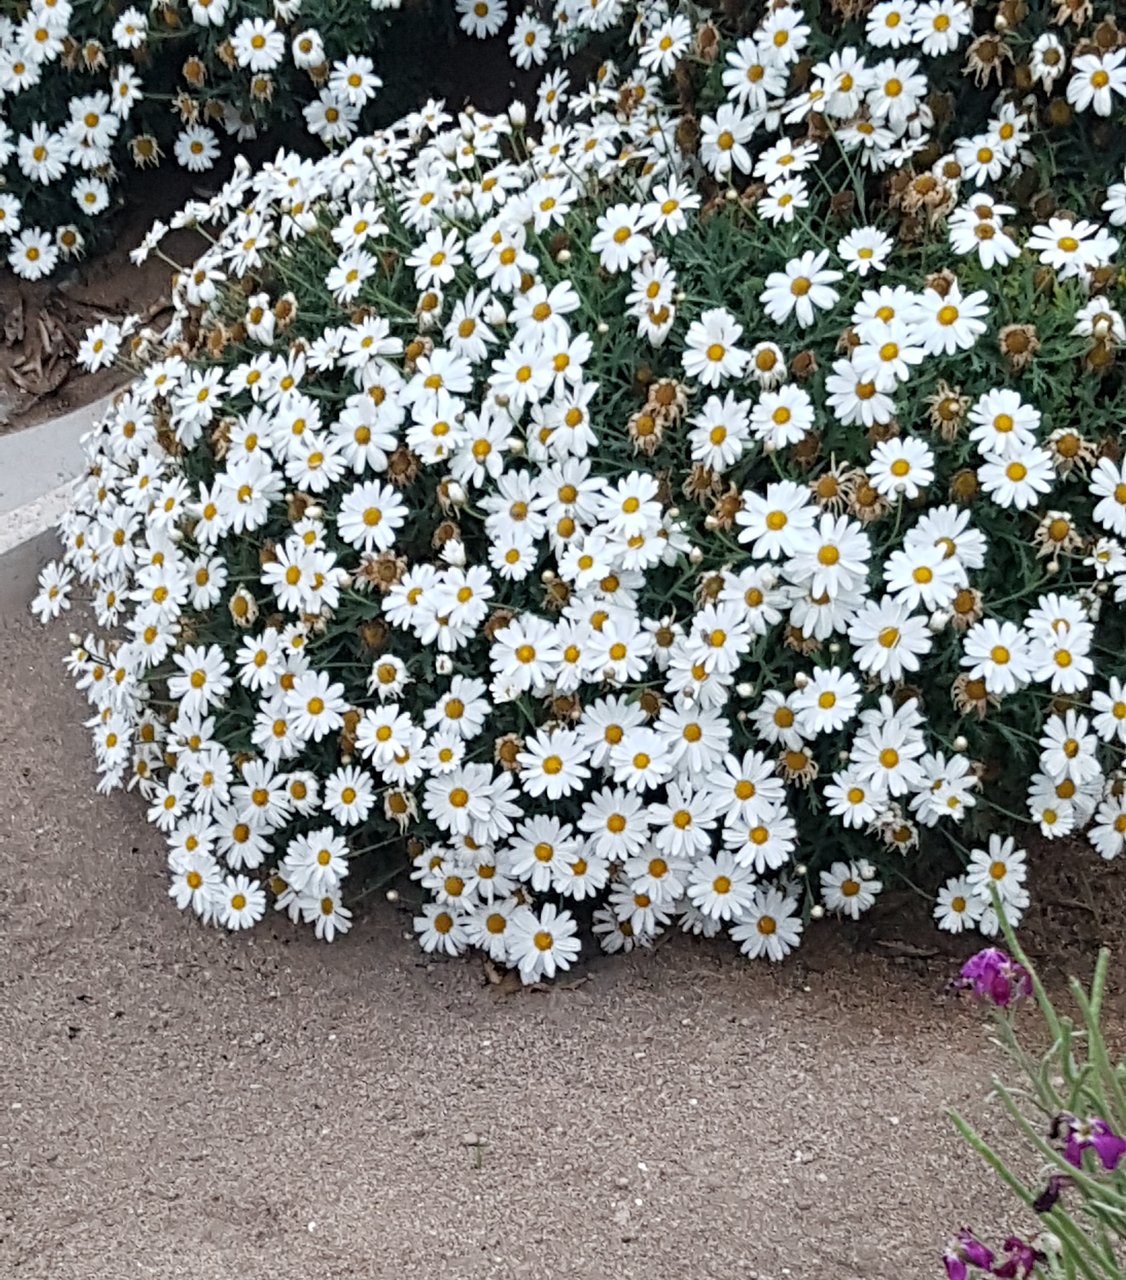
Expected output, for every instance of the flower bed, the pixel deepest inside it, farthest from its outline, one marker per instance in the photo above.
(91, 91)
(695, 510)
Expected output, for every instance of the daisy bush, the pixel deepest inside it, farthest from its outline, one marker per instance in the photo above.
(694, 501)
(89, 91)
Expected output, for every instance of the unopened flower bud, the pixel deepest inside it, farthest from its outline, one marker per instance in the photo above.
(314, 511)
(495, 313)
(1053, 566)
(392, 895)
(844, 756)
(769, 447)
(835, 647)
(817, 911)
(1101, 328)
(603, 327)
(547, 577)
(731, 195)
(456, 494)
(801, 869)
(517, 114)
(514, 445)
(938, 621)
(501, 401)
(960, 743)
(563, 257)
(711, 524)
(695, 556)
(744, 690)
(453, 553)
(444, 664)
(673, 512)
(801, 680)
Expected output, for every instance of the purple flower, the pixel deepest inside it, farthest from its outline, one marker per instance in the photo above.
(1020, 1260)
(1094, 1134)
(995, 978)
(965, 1249)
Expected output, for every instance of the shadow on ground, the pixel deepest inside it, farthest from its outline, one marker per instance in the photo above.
(176, 1102)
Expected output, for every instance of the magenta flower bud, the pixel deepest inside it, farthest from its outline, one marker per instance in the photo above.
(995, 977)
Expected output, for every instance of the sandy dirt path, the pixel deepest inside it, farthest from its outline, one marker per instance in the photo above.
(177, 1103)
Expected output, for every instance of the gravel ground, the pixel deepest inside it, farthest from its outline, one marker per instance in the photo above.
(174, 1102)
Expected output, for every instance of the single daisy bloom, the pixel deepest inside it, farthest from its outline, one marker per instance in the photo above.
(770, 926)
(711, 350)
(801, 289)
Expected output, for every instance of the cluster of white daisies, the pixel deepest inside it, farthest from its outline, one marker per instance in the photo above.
(82, 93)
(617, 583)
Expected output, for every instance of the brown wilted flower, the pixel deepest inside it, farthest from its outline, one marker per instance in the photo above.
(556, 596)
(505, 751)
(186, 107)
(373, 636)
(194, 72)
(262, 88)
(1018, 342)
(1075, 11)
(830, 490)
(970, 696)
(414, 351)
(93, 55)
(1100, 358)
(403, 465)
(803, 365)
(651, 703)
(986, 58)
(1058, 113)
(708, 589)
(794, 638)
(866, 503)
(947, 409)
(707, 42)
(645, 432)
(964, 486)
(798, 767)
(400, 806)
(243, 608)
(497, 621)
(447, 531)
(1070, 451)
(701, 484)
(967, 607)
(382, 571)
(226, 55)
(668, 399)
(726, 507)
(900, 834)
(221, 437)
(1056, 534)
(285, 311)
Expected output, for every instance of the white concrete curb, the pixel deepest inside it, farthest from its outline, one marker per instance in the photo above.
(37, 467)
